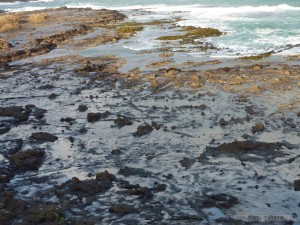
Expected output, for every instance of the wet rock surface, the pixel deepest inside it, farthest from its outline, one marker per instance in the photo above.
(208, 147)
(43, 137)
(27, 160)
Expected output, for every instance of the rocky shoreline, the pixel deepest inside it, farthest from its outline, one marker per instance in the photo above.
(106, 139)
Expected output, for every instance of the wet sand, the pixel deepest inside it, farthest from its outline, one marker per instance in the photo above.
(92, 133)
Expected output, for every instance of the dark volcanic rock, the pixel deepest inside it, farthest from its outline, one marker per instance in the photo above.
(223, 201)
(222, 122)
(44, 214)
(43, 137)
(27, 160)
(93, 117)
(246, 146)
(10, 147)
(52, 96)
(103, 182)
(14, 111)
(105, 176)
(68, 120)
(122, 121)
(46, 87)
(249, 110)
(143, 129)
(219, 200)
(4, 66)
(241, 149)
(5, 174)
(82, 108)
(4, 130)
(128, 171)
(122, 208)
(258, 127)
(143, 192)
(297, 185)
(186, 162)
(155, 125)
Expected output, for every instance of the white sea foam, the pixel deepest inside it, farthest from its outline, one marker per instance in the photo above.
(28, 8)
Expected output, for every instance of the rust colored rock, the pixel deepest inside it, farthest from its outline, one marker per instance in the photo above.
(4, 44)
(258, 127)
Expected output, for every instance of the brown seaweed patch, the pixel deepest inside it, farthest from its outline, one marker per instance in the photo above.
(129, 30)
(38, 17)
(10, 22)
(257, 57)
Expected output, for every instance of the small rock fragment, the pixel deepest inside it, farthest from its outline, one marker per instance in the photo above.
(93, 117)
(258, 127)
(122, 121)
(82, 108)
(52, 96)
(186, 162)
(156, 125)
(249, 110)
(143, 129)
(297, 185)
(222, 122)
(129, 171)
(68, 120)
(122, 208)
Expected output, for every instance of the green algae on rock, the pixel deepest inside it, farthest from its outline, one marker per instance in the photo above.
(257, 57)
(193, 33)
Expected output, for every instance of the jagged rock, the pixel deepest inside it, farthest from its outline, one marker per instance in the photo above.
(143, 129)
(105, 176)
(85, 187)
(15, 111)
(27, 160)
(155, 125)
(186, 162)
(122, 121)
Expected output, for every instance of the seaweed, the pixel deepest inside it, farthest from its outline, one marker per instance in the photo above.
(192, 33)
(257, 57)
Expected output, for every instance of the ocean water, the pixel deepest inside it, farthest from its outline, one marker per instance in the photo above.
(250, 26)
